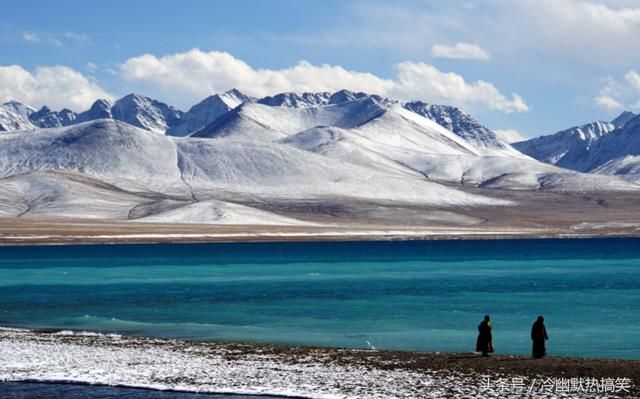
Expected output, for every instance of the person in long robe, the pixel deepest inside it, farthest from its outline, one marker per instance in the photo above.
(539, 337)
(484, 343)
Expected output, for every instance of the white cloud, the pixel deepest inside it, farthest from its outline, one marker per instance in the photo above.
(31, 37)
(80, 38)
(603, 32)
(91, 67)
(633, 78)
(195, 74)
(55, 86)
(426, 82)
(461, 51)
(608, 103)
(509, 135)
(55, 39)
(616, 95)
(596, 32)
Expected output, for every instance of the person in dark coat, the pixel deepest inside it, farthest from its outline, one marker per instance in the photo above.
(484, 343)
(539, 336)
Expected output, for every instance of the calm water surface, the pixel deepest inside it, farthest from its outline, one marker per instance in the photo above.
(416, 295)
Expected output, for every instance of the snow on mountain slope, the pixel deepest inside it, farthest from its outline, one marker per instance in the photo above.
(60, 195)
(18, 108)
(400, 141)
(220, 212)
(553, 148)
(143, 162)
(623, 118)
(100, 109)
(146, 113)
(207, 111)
(17, 116)
(112, 151)
(136, 110)
(353, 147)
(627, 167)
(599, 148)
(294, 100)
(263, 122)
(274, 170)
(460, 123)
(45, 117)
(311, 100)
(11, 122)
(432, 158)
(611, 154)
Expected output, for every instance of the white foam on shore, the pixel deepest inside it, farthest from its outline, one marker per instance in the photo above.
(219, 368)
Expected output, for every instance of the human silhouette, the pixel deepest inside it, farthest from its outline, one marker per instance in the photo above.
(484, 343)
(539, 336)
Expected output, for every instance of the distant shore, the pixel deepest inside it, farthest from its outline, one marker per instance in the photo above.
(66, 356)
(29, 232)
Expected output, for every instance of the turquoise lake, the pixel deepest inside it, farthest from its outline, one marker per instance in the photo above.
(414, 295)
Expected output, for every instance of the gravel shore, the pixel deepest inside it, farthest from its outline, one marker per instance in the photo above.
(65, 356)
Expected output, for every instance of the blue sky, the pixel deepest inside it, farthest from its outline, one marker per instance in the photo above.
(567, 61)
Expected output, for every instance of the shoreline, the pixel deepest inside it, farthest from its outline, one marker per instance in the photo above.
(279, 237)
(303, 372)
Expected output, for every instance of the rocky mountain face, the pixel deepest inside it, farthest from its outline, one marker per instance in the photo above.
(599, 147)
(553, 148)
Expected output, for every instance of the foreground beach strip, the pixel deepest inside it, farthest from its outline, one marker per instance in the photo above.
(111, 359)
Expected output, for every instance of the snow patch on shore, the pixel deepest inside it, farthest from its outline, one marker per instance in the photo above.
(220, 368)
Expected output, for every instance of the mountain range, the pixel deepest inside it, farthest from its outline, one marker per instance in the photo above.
(234, 159)
(610, 148)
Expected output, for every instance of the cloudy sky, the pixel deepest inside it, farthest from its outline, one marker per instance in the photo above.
(533, 66)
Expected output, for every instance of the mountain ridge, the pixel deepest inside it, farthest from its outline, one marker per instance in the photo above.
(599, 147)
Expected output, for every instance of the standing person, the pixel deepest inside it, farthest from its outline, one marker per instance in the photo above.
(484, 343)
(539, 336)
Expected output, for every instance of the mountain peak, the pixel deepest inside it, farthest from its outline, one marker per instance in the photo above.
(459, 122)
(235, 93)
(623, 118)
(295, 100)
(561, 147)
(19, 108)
(345, 95)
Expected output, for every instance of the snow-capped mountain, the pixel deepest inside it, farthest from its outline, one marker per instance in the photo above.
(146, 113)
(312, 100)
(264, 122)
(610, 148)
(294, 100)
(15, 115)
(100, 109)
(458, 122)
(623, 118)
(45, 117)
(11, 120)
(207, 111)
(116, 160)
(109, 155)
(554, 148)
(617, 153)
(19, 109)
(136, 110)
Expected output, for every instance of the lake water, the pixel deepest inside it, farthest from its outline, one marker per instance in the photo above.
(415, 295)
(20, 390)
